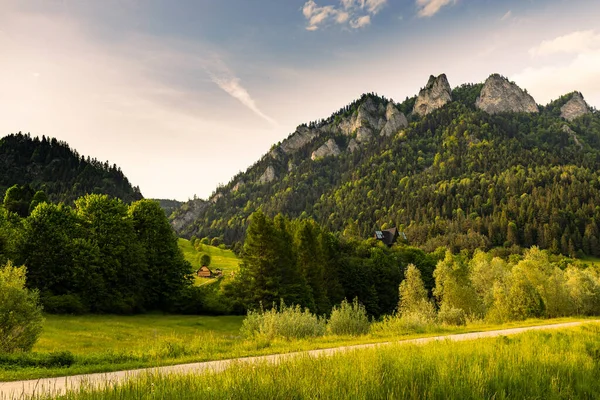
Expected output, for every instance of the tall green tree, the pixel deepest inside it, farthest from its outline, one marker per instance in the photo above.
(311, 260)
(124, 267)
(166, 273)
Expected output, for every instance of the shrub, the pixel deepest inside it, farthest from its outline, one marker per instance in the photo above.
(39, 360)
(452, 316)
(287, 322)
(349, 319)
(20, 313)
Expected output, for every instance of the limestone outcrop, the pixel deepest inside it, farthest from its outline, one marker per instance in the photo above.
(186, 215)
(299, 139)
(436, 94)
(330, 148)
(352, 146)
(268, 176)
(499, 95)
(395, 120)
(574, 108)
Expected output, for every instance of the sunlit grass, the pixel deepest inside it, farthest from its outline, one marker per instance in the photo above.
(226, 260)
(561, 364)
(112, 343)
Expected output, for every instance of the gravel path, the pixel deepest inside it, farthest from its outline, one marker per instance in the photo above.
(56, 386)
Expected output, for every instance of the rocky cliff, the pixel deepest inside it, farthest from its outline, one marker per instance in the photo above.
(499, 95)
(395, 120)
(574, 108)
(182, 219)
(330, 148)
(434, 95)
(268, 176)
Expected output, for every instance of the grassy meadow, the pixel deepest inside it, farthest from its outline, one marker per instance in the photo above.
(561, 364)
(226, 260)
(102, 343)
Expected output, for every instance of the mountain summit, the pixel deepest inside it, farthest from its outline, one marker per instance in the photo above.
(434, 95)
(500, 95)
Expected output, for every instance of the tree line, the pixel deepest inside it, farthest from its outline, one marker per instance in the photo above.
(300, 263)
(62, 173)
(99, 255)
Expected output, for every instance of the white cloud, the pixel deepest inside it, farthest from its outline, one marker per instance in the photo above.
(576, 72)
(361, 22)
(374, 6)
(572, 43)
(355, 14)
(506, 16)
(221, 75)
(428, 8)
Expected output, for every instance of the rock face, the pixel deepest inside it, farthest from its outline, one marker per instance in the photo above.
(187, 214)
(395, 120)
(366, 122)
(237, 186)
(268, 176)
(352, 146)
(566, 129)
(574, 108)
(434, 95)
(330, 148)
(299, 139)
(499, 95)
(216, 198)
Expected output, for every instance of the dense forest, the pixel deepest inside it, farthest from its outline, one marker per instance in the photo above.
(99, 255)
(50, 165)
(458, 177)
(299, 262)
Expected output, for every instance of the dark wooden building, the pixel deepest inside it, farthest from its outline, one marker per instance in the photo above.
(387, 236)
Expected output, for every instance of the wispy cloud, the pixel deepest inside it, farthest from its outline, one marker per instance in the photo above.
(506, 16)
(354, 14)
(221, 75)
(428, 8)
(572, 43)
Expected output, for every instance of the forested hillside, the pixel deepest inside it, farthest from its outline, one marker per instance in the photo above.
(464, 169)
(52, 166)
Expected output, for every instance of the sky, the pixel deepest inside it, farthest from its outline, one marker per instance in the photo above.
(182, 95)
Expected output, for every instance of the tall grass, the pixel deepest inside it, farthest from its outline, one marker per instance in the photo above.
(285, 322)
(537, 365)
(349, 319)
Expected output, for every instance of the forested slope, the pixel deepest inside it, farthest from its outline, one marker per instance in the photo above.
(457, 176)
(52, 166)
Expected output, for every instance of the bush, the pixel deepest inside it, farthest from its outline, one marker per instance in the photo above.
(28, 360)
(64, 304)
(349, 319)
(20, 313)
(287, 322)
(452, 316)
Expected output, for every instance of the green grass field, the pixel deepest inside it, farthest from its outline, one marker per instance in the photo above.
(535, 365)
(110, 343)
(225, 260)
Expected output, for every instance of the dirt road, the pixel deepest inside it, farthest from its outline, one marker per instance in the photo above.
(56, 386)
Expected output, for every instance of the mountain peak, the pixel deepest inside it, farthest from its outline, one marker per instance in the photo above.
(500, 95)
(434, 95)
(575, 107)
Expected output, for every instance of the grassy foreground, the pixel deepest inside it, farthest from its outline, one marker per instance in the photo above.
(113, 343)
(537, 365)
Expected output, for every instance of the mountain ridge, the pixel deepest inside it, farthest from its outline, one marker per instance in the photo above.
(299, 187)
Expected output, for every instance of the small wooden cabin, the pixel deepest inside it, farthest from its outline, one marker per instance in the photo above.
(387, 236)
(204, 272)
